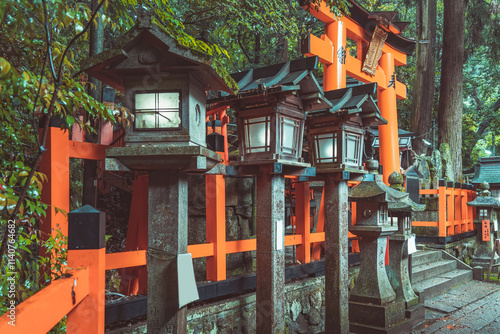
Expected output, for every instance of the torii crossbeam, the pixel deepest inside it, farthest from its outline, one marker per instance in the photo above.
(379, 44)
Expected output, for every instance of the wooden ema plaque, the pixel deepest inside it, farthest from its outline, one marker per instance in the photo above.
(485, 230)
(374, 50)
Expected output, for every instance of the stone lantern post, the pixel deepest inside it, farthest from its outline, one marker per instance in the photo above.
(486, 220)
(271, 109)
(398, 271)
(372, 302)
(336, 146)
(164, 86)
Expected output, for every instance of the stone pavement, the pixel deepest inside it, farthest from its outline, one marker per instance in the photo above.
(473, 307)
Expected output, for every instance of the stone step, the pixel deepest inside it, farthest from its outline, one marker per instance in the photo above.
(425, 256)
(436, 285)
(428, 270)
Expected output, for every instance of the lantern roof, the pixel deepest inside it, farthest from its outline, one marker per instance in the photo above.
(387, 21)
(373, 188)
(488, 169)
(292, 76)
(146, 49)
(356, 99)
(484, 199)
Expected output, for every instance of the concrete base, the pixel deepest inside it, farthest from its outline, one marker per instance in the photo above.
(383, 316)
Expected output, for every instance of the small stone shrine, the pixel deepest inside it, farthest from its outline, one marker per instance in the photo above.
(486, 224)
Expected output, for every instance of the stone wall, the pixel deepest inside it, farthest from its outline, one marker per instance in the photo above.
(304, 311)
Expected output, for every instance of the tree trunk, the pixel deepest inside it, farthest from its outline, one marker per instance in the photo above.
(96, 46)
(256, 59)
(451, 100)
(423, 92)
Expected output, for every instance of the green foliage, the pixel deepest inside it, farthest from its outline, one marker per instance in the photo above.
(31, 275)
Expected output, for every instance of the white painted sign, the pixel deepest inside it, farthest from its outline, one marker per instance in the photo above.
(280, 235)
(412, 247)
(495, 225)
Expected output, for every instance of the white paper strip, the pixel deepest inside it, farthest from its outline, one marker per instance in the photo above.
(280, 236)
(412, 247)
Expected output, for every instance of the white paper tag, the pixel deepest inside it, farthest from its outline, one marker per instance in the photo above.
(495, 225)
(412, 247)
(280, 237)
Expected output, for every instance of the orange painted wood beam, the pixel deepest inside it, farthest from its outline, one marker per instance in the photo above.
(388, 133)
(89, 151)
(201, 250)
(42, 311)
(125, 259)
(303, 221)
(423, 223)
(320, 227)
(241, 246)
(215, 193)
(354, 30)
(137, 237)
(88, 316)
(442, 212)
(292, 240)
(429, 191)
(321, 47)
(318, 237)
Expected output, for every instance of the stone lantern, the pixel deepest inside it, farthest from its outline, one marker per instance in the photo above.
(336, 145)
(373, 301)
(336, 135)
(399, 251)
(271, 107)
(164, 86)
(486, 220)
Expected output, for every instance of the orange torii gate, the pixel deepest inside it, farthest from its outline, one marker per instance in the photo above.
(380, 47)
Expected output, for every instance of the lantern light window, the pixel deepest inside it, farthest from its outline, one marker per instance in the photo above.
(157, 110)
(257, 134)
(290, 135)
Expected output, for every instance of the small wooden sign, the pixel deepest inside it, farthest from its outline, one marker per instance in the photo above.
(485, 230)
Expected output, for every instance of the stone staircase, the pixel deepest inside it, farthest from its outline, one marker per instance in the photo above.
(435, 271)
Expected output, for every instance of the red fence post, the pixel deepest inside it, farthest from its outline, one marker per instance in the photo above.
(137, 238)
(303, 221)
(55, 193)
(216, 226)
(320, 227)
(442, 210)
(87, 249)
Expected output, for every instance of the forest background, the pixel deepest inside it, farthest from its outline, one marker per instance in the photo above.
(453, 81)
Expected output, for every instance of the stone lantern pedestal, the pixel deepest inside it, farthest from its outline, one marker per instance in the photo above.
(374, 305)
(398, 271)
(372, 302)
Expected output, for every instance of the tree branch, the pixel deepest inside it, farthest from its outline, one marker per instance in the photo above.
(50, 110)
(96, 11)
(48, 40)
(241, 46)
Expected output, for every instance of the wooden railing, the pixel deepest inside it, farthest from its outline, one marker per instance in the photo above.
(454, 215)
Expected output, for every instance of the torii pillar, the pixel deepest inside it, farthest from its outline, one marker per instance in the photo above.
(337, 62)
